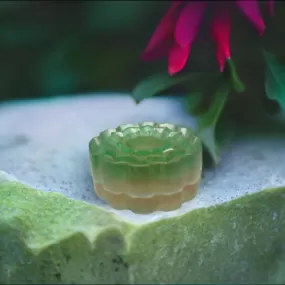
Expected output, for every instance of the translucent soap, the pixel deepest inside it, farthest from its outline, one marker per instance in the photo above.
(146, 167)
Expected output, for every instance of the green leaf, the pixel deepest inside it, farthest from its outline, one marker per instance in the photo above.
(207, 103)
(236, 83)
(275, 79)
(212, 87)
(195, 100)
(208, 120)
(158, 83)
(201, 91)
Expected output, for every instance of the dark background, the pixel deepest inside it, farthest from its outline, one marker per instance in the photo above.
(68, 47)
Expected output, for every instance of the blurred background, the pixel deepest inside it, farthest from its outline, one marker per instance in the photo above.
(69, 47)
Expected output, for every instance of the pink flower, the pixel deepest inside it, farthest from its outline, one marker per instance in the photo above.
(270, 4)
(221, 28)
(178, 29)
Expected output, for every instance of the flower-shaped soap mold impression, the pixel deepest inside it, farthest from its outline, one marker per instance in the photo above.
(146, 167)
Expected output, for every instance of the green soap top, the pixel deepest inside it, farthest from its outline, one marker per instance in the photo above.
(144, 144)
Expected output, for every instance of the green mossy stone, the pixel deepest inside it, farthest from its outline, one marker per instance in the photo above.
(47, 238)
(53, 230)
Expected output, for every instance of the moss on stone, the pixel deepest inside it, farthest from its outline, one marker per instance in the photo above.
(49, 238)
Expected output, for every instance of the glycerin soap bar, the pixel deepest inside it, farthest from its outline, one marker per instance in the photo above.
(146, 167)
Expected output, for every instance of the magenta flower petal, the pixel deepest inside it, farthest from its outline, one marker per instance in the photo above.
(270, 4)
(251, 9)
(176, 3)
(177, 58)
(221, 29)
(162, 34)
(188, 23)
(161, 50)
(221, 59)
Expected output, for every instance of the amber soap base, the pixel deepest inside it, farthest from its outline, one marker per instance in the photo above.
(145, 205)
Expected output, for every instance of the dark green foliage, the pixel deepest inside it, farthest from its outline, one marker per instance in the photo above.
(207, 97)
(275, 79)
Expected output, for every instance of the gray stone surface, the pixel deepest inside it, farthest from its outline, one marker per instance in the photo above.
(45, 144)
